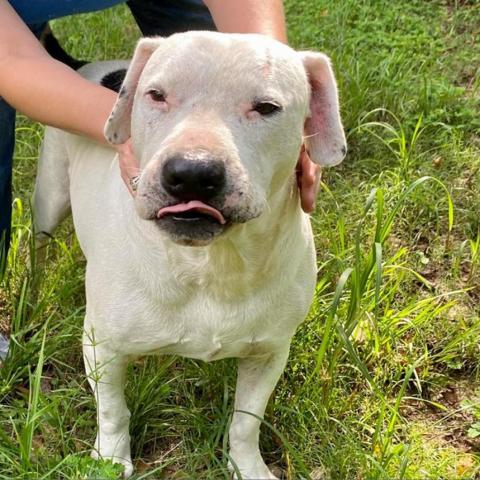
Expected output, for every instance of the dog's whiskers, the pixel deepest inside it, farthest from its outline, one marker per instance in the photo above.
(305, 137)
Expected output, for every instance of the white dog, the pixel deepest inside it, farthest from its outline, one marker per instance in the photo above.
(214, 257)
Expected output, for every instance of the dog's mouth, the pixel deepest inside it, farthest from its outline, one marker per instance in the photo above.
(191, 223)
(191, 212)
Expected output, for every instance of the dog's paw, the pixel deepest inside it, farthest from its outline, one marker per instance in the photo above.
(128, 472)
(126, 462)
(253, 470)
(116, 449)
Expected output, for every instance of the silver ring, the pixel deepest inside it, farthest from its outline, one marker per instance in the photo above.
(134, 181)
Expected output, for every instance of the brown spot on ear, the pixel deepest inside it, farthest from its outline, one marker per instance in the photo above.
(344, 150)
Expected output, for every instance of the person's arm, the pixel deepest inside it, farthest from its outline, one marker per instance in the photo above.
(44, 89)
(249, 16)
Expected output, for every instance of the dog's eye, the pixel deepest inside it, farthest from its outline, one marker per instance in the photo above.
(266, 108)
(157, 95)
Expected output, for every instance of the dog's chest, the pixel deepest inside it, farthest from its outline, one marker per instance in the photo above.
(209, 346)
(202, 327)
(205, 307)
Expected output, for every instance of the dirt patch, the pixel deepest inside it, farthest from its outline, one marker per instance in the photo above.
(448, 425)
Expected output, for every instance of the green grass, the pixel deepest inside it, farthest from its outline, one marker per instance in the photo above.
(382, 380)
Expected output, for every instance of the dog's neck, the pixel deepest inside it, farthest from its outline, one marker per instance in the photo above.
(249, 255)
(245, 259)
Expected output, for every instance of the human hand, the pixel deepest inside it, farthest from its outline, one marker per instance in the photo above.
(129, 167)
(308, 179)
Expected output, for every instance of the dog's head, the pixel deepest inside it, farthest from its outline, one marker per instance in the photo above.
(217, 122)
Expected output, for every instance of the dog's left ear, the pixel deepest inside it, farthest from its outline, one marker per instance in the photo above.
(117, 128)
(324, 135)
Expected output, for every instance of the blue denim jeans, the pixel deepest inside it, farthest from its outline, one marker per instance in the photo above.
(7, 130)
(154, 17)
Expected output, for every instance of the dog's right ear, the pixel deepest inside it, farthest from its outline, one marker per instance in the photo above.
(117, 128)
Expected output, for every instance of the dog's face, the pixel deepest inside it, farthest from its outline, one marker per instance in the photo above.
(217, 121)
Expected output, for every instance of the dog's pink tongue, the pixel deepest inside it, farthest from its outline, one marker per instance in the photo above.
(192, 205)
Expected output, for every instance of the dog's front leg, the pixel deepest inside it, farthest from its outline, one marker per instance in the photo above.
(257, 377)
(106, 375)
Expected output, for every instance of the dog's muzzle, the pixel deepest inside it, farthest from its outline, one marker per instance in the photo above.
(196, 183)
